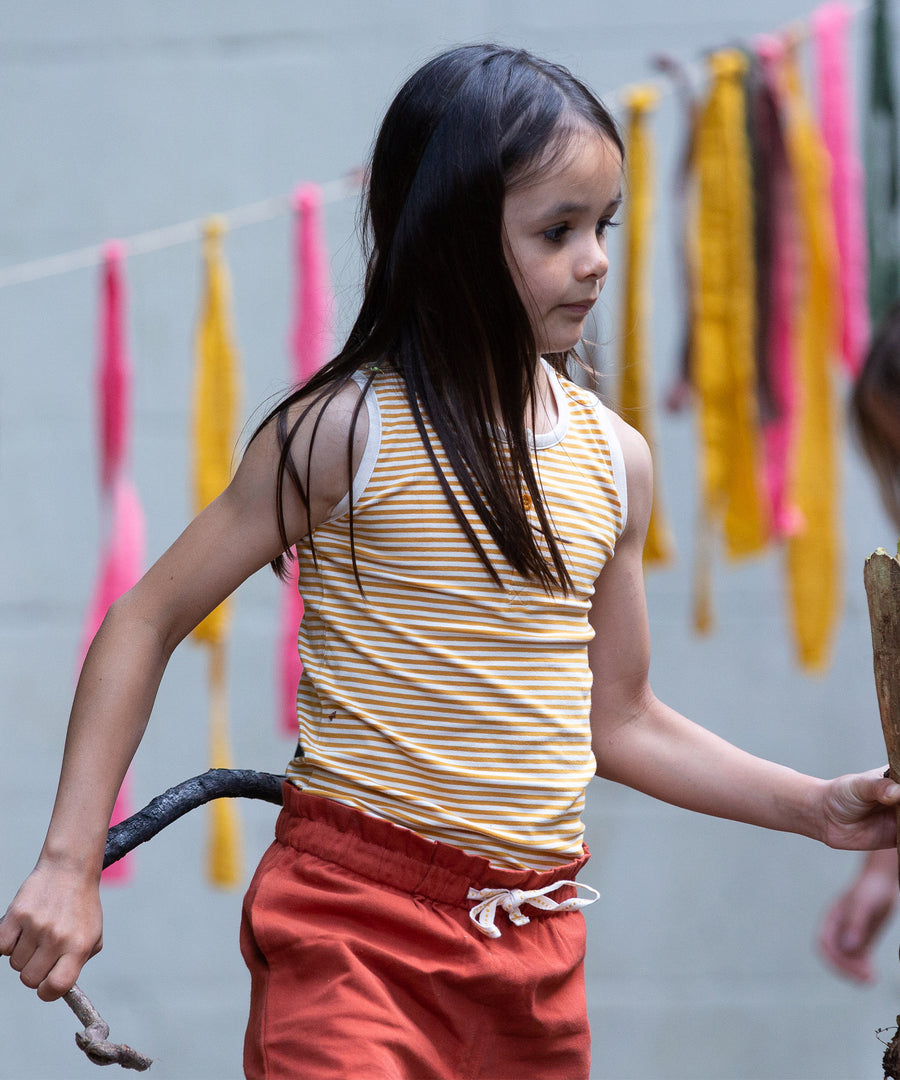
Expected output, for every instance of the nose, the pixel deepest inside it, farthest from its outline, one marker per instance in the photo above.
(593, 261)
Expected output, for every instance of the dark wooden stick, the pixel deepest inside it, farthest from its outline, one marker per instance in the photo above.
(184, 797)
(138, 829)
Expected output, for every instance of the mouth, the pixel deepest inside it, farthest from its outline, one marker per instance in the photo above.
(581, 308)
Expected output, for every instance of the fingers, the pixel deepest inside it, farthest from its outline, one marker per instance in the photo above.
(46, 962)
(50, 971)
(842, 946)
(9, 934)
(857, 811)
(60, 980)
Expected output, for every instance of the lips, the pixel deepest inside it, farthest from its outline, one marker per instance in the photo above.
(580, 308)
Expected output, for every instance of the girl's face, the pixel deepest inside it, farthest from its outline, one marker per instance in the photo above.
(555, 238)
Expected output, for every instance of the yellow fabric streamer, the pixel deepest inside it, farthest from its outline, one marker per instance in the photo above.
(224, 854)
(814, 554)
(215, 424)
(215, 398)
(635, 391)
(722, 346)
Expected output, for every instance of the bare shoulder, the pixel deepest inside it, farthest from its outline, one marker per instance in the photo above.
(328, 435)
(326, 425)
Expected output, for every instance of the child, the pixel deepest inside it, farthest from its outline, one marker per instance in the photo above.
(468, 525)
(853, 922)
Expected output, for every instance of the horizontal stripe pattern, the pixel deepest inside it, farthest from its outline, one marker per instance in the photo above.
(437, 700)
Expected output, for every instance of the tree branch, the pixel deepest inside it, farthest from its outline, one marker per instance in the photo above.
(138, 829)
(184, 797)
(94, 1039)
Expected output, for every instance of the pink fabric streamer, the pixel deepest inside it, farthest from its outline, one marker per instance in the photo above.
(310, 343)
(113, 370)
(122, 558)
(778, 430)
(122, 561)
(311, 337)
(836, 117)
(289, 666)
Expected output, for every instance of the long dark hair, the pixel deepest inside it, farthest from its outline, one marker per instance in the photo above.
(875, 403)
(440, 306)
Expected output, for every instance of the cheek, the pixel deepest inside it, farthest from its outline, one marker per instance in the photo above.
(541, 279)
(528, 286)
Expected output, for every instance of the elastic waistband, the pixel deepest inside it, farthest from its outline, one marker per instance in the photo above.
(398, 857)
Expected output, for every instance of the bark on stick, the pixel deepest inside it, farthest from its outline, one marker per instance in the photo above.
(184, 797)
(882, 578)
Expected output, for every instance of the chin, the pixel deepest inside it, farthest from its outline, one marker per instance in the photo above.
(560, 346)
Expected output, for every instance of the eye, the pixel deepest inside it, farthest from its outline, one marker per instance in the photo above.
(555, 234)
(604, 225)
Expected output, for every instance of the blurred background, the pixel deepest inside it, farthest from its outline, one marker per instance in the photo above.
(122, 118)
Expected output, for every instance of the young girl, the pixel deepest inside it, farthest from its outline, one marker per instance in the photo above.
(468, 524)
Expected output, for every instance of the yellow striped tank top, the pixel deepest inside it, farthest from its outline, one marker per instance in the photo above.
(437, 700)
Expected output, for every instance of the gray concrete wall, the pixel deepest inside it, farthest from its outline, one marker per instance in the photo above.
(119, 117)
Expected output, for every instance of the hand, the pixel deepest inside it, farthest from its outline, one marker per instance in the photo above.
(853, 922)
(857, 812)
(51, 929)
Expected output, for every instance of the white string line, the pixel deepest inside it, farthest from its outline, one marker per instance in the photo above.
(171, 235)
(274, 207)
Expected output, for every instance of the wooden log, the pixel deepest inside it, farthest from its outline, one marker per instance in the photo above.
(882, 579)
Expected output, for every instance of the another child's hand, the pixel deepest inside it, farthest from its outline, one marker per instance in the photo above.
(853, 922)
(52, 928)
(857, 812)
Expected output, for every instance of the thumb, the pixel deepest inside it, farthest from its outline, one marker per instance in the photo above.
(860, 790)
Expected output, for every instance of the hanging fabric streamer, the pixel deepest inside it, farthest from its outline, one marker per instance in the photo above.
(723, 346)
(309, 347)
(122, 557)
(215, 424)
(311, 336)
(882, 174)
(635, 389)
(813, 553)
(776, 263)
(836, 120)
(678, 395)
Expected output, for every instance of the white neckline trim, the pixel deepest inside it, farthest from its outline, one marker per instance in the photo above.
(558, 432)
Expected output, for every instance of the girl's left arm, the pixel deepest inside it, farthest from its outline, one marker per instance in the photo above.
(641, 742)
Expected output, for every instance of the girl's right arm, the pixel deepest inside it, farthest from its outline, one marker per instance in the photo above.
(641, 742)
(53, 925)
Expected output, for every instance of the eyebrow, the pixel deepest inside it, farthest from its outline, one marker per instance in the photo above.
(561, 209)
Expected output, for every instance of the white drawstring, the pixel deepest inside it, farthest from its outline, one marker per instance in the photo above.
(511, 900)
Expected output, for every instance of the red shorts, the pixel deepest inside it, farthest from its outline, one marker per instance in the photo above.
(365, 963)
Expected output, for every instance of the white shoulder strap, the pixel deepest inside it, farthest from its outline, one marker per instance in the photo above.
(604, 417)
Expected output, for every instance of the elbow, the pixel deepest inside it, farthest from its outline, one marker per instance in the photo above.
(618, 724)
(128, 620)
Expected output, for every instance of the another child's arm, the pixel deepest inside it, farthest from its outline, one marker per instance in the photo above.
(856, 918)
(54, 923)
(641, 742)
